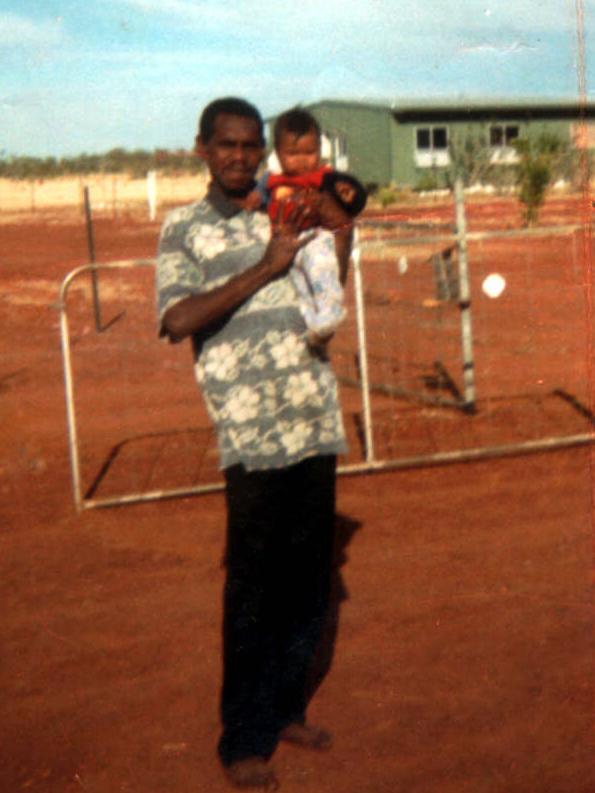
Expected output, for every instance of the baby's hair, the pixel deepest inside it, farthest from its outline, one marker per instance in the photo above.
(232, 106)
(296, 121)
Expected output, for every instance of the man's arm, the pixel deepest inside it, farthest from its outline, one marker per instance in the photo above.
(196, 313)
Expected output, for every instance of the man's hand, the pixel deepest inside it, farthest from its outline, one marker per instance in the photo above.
(285, 241)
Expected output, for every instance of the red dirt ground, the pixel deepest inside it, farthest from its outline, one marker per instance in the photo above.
(464, 656)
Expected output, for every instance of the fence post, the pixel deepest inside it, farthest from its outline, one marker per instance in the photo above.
(91, 247)
(152, 193)
(465, 299)
(362, 346)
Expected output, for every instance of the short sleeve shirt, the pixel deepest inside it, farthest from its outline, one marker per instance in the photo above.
(272, 400)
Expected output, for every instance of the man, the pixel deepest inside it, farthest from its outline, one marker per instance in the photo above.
(222, 280)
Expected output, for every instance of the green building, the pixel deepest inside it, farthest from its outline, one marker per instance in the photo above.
(403, 142)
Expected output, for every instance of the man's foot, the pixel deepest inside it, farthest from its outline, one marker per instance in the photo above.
(252, 772)
(306, 735)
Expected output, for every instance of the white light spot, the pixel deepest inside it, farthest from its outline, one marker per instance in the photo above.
(493, 285)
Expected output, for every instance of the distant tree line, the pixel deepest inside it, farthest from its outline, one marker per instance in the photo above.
(136, 163)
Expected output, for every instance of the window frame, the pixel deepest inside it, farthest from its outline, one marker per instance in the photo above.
(431, 130)
(503, 153)
(434, 156)
(506, 139)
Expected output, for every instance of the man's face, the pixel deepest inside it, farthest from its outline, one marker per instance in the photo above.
(233, 153)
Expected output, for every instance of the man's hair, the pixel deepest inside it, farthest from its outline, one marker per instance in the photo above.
(232, 106)
(296, 121)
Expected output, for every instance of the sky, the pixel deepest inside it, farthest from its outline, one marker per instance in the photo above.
(91, 75)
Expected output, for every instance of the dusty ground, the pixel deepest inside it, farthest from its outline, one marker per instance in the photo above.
(463, 660)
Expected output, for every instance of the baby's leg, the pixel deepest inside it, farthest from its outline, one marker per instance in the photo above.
(316, 278)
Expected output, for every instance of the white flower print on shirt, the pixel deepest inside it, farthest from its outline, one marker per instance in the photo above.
(174, 269)
(287, 352)
(221, 362)
(205, 240)
(300, 388)
(242, 404)
(295, 438)
(243, 438)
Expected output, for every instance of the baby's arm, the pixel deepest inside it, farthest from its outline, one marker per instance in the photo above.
(259, 197)
(334, 218)
(253, 201)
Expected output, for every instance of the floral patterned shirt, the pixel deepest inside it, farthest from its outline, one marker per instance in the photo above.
(273, 401)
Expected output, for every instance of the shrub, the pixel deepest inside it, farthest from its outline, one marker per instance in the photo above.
(428, 181)
(541, 160)
(386, 195)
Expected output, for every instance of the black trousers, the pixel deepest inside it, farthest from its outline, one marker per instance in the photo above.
(279, 548)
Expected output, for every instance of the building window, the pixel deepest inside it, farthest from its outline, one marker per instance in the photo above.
(431, 147)
(502, 138)
(333, 149)
(503, 134)
(432, 138)
(424, 139)
(326, 146)
(341, 146)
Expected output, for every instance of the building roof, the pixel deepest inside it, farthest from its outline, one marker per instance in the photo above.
(470, 107)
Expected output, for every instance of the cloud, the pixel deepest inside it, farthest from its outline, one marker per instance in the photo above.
(497, 49)
(400, 34)
(377, 22)
(19, 31)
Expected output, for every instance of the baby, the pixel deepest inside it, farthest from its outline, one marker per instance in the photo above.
(297, 146)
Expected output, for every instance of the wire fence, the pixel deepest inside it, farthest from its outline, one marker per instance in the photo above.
(432, 369)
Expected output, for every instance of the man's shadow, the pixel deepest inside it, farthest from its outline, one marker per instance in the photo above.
(345, 528)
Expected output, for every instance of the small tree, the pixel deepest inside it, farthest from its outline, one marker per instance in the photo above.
(470, 159)
(386, 195)
(540, 160)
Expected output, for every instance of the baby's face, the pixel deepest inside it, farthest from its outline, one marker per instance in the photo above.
(298, 154)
